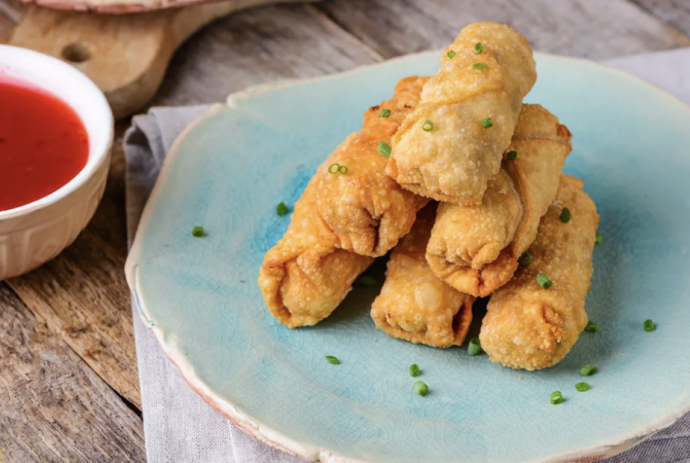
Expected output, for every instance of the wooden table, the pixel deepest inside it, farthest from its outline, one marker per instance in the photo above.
(68, 372)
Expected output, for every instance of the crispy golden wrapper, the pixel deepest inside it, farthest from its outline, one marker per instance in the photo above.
(527, 326)
(455, 160)
(305, 276)
(366, 209)
(476, 249)
(414, 304)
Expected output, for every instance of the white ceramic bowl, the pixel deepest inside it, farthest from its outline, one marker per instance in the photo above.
(36, 232)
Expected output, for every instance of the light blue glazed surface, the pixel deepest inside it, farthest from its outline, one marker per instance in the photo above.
(228, 173)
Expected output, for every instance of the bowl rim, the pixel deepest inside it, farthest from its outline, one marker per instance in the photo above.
(98, 153)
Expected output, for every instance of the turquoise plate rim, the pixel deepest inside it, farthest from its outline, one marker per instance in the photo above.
(273, 437)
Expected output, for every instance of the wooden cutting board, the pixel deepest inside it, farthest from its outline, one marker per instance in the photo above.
(125, 55)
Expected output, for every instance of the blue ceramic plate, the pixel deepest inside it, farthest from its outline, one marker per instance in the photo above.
(230, 169)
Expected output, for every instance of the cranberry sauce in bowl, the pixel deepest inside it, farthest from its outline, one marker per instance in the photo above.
(43, 144)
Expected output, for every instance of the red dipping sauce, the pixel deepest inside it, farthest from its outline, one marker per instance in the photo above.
(43, 144)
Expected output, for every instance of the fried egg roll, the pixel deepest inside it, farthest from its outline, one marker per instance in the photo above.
(414, 304)
(530, 327)
(476, 249)
(451, 145)
(306, 276)
(367, 210)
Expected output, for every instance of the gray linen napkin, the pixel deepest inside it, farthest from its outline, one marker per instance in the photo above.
(178, 425)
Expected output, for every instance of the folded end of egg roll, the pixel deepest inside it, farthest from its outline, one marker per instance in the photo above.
(414, 304)
(305, 276)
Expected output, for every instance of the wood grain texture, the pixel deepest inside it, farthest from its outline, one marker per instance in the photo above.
(114, 7)
(12, 10)
(674, 12)
(53, 408)
(257, 46)
(592, 29)
(125, 55)
(6, 27)
(82, 294)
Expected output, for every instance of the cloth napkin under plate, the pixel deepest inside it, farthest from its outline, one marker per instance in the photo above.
(179, 426)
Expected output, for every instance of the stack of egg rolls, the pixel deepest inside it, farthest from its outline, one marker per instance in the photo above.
(462, 137)
(414, 304)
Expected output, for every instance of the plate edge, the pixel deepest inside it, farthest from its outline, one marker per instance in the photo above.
(266, 434)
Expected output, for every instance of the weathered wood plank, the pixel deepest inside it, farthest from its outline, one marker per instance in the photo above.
(53, 408)
(11, 9)
(673, 12)
(6, 27)
(82, 294)
(127, 54)
(586, 28)
(261, 45)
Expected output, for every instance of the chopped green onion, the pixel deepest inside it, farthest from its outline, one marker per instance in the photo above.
(478, 48)
(512, 155)
(479, 66)
(592, 327)
(414, 370)
(599, 238)
(428, 126)
(451, 54)
(282, 209)
(332, 360)
(556, 397)
(588, 369)
(384, 148)
(582, 387)
(487, 123)
(475, 347)
(385, 113)
(337, 169)
(525, 259)
(199, 231)
(565, 215)
(420, 388)
(649, 325)
(544, 281)
(367, 281)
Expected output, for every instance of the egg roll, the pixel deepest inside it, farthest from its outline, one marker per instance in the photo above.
(414, 304)
(451, 145)
(366, 209)
(527, 326)
(476, 249)
(306, 276)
